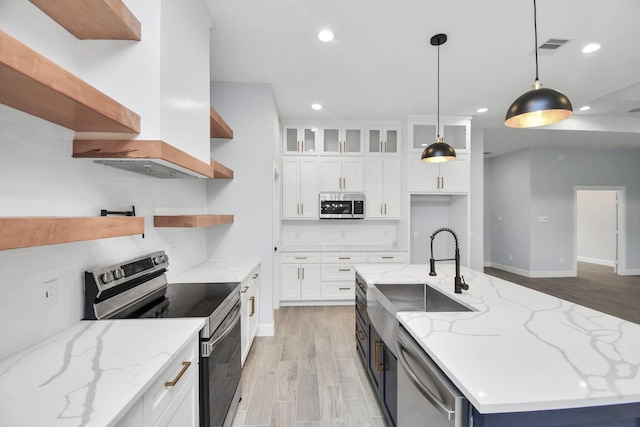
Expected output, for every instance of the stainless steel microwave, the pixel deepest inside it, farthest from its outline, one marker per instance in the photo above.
(341, 205)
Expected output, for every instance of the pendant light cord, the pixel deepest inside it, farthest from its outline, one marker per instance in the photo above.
(438, 122)
(535, 30)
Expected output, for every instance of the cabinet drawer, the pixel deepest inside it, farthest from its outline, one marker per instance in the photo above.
(344, 257)
(161, 393)
(300, 257)
(388, 257)
(338, 290)
(361, 340)
(338, 272)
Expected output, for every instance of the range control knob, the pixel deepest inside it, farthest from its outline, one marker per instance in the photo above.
(117, 274)
(106, 278)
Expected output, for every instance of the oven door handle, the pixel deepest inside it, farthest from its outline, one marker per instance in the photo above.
(208, 347)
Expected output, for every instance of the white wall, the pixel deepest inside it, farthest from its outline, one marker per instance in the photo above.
(249, 109)
(596, 226)
(38, 177)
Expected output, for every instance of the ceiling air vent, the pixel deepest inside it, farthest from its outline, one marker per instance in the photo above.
(551, 46)
(635, 110)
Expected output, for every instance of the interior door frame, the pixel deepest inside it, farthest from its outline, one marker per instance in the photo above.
(621, 240)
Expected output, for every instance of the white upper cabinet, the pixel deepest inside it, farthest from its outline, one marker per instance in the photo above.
(456, 133)
(383, 188)
(383, 140)
(448, 177)
(300, 140)
(341, 174)
(342, 140)
(300, 188)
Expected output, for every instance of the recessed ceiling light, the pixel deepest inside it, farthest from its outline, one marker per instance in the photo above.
(325, 35)
(591, 47)
(585, 108)
(482, 110)
(316, 106)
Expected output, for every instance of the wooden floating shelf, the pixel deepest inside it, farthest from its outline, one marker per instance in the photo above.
(35, 85)
(93, 19)
(24, 232)
(220, 171)
(148, 149)
(191, 220)
(219, 128)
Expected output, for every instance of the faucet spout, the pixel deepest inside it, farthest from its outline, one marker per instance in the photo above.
(459, 283)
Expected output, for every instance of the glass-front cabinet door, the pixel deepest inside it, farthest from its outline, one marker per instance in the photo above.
(383, 140)
(456, 133)
(342, 140)
(300, 140)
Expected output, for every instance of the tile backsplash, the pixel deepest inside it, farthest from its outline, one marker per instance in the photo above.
(38, 177)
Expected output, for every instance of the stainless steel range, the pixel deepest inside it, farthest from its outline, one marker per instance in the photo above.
(138, 288)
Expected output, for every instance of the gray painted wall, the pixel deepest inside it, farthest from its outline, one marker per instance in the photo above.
(536, 182)
(249, 109)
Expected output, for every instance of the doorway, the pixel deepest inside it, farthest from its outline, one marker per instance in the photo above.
(600, 232)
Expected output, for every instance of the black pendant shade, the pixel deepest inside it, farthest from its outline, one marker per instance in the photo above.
(540, 106)
(439, 151)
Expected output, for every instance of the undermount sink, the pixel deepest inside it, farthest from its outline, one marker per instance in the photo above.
(419, 297)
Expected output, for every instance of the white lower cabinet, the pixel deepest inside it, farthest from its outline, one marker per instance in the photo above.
(173, 399)
(249, 290)
(300, 276)
(327, 276)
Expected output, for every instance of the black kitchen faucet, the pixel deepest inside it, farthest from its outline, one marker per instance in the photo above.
(459, 283)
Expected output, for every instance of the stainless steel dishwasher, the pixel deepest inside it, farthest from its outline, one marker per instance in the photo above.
(426, 397)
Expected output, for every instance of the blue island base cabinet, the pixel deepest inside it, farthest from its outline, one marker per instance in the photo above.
(627, 415)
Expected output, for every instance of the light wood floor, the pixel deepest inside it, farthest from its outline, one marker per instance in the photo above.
(308, 374)
(596, 287)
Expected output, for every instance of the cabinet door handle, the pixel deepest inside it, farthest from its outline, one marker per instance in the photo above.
(244, 290)
(297, 208)
(442, 182)
(361, 286)
(253, 306)
(301, 208)
(381, 212)
(385, 146)
(302, 273)
(361, 335)
(378, 360)
(344, 269)
(385, 208)
(298, 273)
(255, 276)
(185, 366)
(360, 305)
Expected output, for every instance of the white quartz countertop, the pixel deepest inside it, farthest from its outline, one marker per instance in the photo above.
(91, 373)
(341, 248)
(522, 350)
(215, 272)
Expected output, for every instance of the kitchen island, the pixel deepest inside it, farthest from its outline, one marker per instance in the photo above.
(519, 350)
(95, 372)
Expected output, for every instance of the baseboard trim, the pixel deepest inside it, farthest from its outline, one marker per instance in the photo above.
(266, 330)
(312, 303)
(533, 274)
(605, 262)
(631, 272)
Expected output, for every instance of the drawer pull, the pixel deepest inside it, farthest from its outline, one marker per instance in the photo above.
(361, 286)
(344, 269)
(361, 335)
(244, 290)
(360, 305)
(185, 366)
(344, 257)
(301, 257)
(344, 289)
(388, 257)
(255, 276)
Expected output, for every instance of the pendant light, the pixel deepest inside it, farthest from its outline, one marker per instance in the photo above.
(439, 151)
(540, 106)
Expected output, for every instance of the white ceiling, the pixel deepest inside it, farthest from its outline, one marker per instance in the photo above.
(381, 66)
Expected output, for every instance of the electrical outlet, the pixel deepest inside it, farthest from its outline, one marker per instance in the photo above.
(50, 291)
